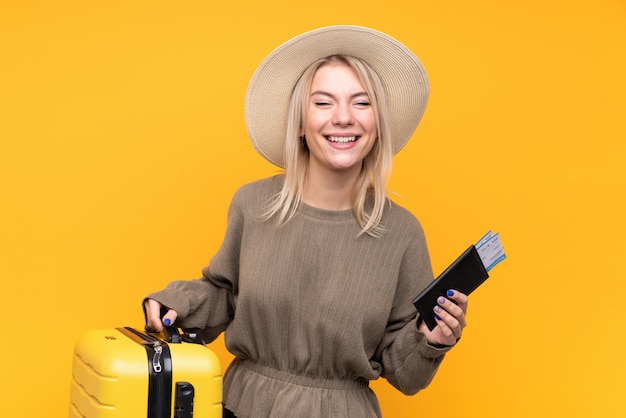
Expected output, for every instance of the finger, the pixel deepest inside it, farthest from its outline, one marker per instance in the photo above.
(459, 298)
(450, 307)
(456, 305)
(445, 321)
(452, 317)
(153, 318)
(445, 334)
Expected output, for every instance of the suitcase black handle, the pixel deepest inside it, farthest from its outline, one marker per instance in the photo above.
(171, 334)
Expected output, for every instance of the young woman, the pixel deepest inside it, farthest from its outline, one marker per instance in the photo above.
(314, 280)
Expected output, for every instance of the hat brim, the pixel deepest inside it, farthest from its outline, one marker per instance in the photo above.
(267, 99)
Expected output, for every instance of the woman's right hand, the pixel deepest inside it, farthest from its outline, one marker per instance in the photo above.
(153, 315)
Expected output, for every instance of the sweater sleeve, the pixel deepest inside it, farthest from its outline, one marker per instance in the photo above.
(207, 305)
(409, 362)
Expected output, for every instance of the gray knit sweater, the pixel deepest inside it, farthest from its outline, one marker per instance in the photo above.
(311, 310)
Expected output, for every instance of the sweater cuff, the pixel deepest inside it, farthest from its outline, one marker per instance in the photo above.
(172, 299)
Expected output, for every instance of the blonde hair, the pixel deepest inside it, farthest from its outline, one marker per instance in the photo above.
(374, 176)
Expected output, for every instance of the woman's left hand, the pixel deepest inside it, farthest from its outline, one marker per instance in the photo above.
(450, 315)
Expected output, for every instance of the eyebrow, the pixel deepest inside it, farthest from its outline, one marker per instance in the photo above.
(352, 96)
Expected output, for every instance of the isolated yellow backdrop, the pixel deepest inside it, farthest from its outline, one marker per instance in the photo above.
(123, 139)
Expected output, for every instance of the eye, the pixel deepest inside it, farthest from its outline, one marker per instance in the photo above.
(362, 104)
(361, 101)
(322, 103)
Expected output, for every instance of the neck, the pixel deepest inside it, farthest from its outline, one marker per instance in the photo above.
(331, 190)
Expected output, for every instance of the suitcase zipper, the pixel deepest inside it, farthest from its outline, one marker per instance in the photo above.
(159, 372)
(156, 360)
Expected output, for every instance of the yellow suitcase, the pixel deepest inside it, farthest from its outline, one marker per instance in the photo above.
(128, 373)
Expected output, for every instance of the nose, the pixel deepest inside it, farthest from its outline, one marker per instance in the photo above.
(342, 116)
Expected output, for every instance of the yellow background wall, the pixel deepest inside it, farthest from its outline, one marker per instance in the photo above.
(123, 139)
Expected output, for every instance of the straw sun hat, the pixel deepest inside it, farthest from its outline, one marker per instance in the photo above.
(267, 98)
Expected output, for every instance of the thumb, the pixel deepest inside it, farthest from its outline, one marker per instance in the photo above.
(170, 317)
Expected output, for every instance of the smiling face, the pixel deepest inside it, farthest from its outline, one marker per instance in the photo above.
(340, 124)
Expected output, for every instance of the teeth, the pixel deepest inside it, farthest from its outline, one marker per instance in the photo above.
(342, 139)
